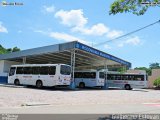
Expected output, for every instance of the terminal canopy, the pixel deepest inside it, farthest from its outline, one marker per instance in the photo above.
(86, 57)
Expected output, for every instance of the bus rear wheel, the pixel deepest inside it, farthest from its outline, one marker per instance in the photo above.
(39, 84)
(81, 85)
(128, 87)
(16, 82)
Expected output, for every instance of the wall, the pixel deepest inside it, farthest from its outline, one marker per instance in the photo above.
(4, 70)
(155, 74)
(5, 65)
(136, 71)
(1, 66)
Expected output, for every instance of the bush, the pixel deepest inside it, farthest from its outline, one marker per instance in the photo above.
(157, 82)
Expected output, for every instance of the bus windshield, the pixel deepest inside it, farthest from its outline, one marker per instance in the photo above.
(65, 70)
(12, 71)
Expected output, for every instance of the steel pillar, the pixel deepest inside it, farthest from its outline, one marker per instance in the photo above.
(24, 60)
(105, 87)
(72, 85)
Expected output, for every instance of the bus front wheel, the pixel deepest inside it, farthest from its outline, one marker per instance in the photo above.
(16, 82)
(128, 87)
(39, 84)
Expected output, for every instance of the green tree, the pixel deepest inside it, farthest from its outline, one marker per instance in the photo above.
(122, 69)
(15, 49)
(157, 82)
(138, 7)
(2, 50)
(154, 65)
(9, 50)
(148, 70)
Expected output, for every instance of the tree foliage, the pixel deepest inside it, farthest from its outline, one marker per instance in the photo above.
(15, 49)
(148, 70)
(151, 66)
(9, 50)
(138, 7)
(154, 65)
(157, 82)
(122, 69)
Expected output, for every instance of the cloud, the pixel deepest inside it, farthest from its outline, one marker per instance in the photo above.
(98, 30)
(49, 9)
(134, 41)
(40, 31)
(76, 20)
(78, 23)
(19, 31)
(2, 28)
(120, 45)
(107, 46)
(66, 37)
(113, 34)
(72, 18)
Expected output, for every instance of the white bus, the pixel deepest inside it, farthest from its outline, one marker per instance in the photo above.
(127, 81)
(89, 79)
(40, 75)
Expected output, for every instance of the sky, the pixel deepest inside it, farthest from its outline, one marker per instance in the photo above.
(45, 22)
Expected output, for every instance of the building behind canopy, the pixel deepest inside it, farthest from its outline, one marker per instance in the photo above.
(76, 54)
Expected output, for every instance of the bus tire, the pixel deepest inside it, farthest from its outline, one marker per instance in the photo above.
(16, 82)
(39, 84)
(127, 87)
(81, 85)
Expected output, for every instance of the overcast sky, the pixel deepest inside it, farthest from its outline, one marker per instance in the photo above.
(45, 22)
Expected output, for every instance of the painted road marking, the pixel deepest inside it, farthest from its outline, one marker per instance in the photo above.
(152, 104)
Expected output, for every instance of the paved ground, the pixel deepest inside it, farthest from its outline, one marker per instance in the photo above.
(31, 100)
(86, 109)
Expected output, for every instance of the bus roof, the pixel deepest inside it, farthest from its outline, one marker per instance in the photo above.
(126, 73)
(28, 65)
(88, 71)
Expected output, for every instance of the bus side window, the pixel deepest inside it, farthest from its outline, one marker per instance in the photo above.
(129, 77)
(118, 77)
(44, 70)
(52, 70)
(19, 70)
(108, 77)
(35, 70)
(27, 70)
(77, 75)
(85, 75)
(92, 75)
(142, 77)
(125, 77)
(12, 71)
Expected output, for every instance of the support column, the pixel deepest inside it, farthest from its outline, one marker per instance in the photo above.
(105, 87)
(24, 60)
(72, 85)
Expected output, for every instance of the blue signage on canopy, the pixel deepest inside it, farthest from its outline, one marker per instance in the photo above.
(100, 53)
